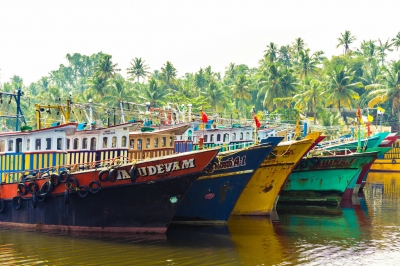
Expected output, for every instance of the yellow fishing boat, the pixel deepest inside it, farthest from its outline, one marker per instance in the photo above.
(390, 161)
(261, 193)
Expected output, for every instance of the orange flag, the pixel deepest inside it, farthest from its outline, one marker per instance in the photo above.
(257, 122)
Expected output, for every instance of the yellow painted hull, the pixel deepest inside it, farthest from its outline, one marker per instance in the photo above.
(261, 193)
(390, 162)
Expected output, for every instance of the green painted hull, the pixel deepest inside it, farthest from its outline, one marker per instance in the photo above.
(323, 180)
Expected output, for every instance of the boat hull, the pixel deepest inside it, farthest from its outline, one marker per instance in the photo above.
(260, 195)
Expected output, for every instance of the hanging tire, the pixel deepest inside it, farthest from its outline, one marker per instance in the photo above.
(315, 161)
(17, 203)
(134, 174)
(94, 186)
(63, 177)
(34, 201)
(3, 206)
(113, 175)
(40, 198)
(46, 189)
(73, 184)
(303, 163)
(32, 187)
(66, 196)
(104, 176)
(22, 189)
(55, 180)
(83, 191)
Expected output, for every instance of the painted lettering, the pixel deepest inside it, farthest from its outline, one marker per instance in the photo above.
(188, 163)
(152, 170)
(160, 168)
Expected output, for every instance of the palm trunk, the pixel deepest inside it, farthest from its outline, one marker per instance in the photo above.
(315, 111)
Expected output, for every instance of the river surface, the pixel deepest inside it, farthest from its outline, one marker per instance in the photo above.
(363, 232)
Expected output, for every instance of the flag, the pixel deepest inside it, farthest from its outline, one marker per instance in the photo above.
(257, 122)
(380, 110)
(204, 117)
(370, 118)
(358, 113)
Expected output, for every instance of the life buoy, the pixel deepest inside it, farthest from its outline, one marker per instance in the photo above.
(34, 201)
(393, 161)
(104, 176)
(134, 174)
(315, 160)
(55, 180)
(83, 191)
(3, 205)
(94, 186)
(113, 175)
(303, 163)
(33, 187)
(22, 189)
(17, 202)
(73, 184)
(63, 177)
(66, 196)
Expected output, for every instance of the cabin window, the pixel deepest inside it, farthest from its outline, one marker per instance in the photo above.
(226, 137)
(171, 141)
(19, 145)
(247, 135)
(205, 138)
(163, 141)
(59, 143)
(132, 143)
(93, 143)
(156, 143)
(147, 143)
(234, 136)
(76, 143)
(28, 144)
(218, 137)
(38, 144)
(123, 141)
(212, 138)
(114, 142)
(84, 143)
(139, 144)
(241, 135)
(105, 142)
(68, 144)
(2, 145)
(190, 133)
(10, 145)
(48, 143)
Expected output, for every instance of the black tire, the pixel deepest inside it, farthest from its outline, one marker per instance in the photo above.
(83, 191)
(40, 198)
(46, 189)
(315, 160)
(104, 176)
(17, 203)
(113, 175)
(63, 177)
(55, 180)
(32, 187)
(303, 163)
(66, 196)
(134, 174)
(73, 184)
(94, 186)
(34, 201)
(22, 189)
(3, 206)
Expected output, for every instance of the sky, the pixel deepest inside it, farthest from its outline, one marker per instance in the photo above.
(36, 36)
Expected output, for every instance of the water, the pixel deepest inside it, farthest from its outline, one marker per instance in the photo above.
(365, 232)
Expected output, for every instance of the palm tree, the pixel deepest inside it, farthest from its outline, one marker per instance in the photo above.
(306, 64)
(168, 74)
(386, 46)
(138, 69)
(346, 40)
(387, 89)
(200, 81)
(215, 95)
(341, 93)
(284, 56)
(272, 52)
(396, 41)
(105, 68)
(298, 45)
(154, 93)
(240, 90)
(310, 95)
(368, 50)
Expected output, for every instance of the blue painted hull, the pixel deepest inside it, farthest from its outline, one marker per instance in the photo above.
(212, 197)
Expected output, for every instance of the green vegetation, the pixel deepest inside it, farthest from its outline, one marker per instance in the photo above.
(288, 77)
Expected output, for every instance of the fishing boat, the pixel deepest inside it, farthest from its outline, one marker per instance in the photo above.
(390, 161)
(323, 180)
(260, 195)
(41, 190)
(212, 197)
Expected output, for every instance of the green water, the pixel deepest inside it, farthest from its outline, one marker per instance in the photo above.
(364, 232)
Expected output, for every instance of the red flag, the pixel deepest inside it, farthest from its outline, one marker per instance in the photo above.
(358, 113)
(204, 117)
(257, 122)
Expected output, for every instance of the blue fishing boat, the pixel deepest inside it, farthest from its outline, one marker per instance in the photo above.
(212, 197)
